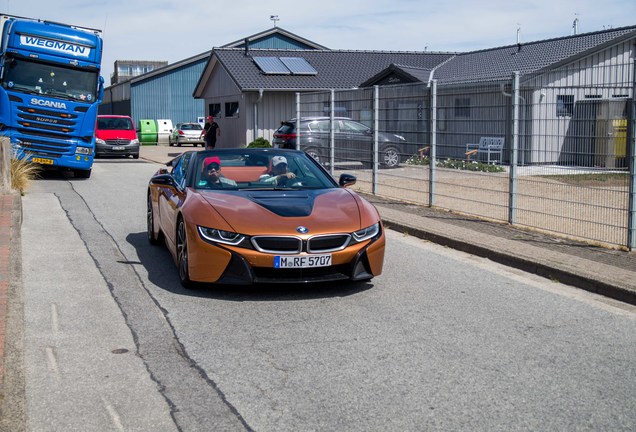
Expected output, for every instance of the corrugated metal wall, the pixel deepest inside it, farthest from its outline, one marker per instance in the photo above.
(169, 95)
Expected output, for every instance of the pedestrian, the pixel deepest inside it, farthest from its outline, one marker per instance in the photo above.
(211, 131)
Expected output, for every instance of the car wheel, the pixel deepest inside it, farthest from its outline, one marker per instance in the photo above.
(316, 154)
(390, 157)
(178, 144)
(135, 156)
(150, 222)
(182, 254)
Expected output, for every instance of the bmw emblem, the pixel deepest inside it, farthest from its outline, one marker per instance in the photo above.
(302, 230)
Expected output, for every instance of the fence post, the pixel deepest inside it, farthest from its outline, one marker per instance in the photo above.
(5, 164)
(512, 182)
(376, 125)
(631, 215)
(432, 154)
(332, 131)
(298, 121)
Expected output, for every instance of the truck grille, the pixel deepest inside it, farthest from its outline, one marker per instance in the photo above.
(45, 132)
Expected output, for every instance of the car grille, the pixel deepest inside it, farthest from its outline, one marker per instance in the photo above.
(117, 142)
(322, 274)
(292, 245)
(277, 244)
(328, 243)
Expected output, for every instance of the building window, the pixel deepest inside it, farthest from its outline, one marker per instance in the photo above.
(565, 105)
(462, 108)
(214, 109)
(597, 96)
(231, 109)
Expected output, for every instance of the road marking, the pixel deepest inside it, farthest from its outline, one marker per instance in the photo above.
(51, 360)
(54, 319)
(114, 415)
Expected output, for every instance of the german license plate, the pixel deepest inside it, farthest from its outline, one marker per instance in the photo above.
(119, 148)
(302, 261)
(42, 161)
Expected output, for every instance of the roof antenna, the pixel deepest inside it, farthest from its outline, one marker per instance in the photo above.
(518, 37)
(575, 24)
(274, 18)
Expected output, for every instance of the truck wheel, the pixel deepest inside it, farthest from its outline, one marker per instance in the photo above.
(83, 174)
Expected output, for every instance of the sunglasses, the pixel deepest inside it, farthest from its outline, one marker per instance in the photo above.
(214, 166)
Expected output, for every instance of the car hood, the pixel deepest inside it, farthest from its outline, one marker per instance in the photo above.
(251, 212)
(115, 134)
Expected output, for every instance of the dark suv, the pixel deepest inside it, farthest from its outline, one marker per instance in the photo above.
(353, 141)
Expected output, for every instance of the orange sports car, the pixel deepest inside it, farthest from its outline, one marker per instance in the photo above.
(243, 216)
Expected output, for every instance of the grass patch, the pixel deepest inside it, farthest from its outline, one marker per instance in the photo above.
(22, 173)
(591, 179)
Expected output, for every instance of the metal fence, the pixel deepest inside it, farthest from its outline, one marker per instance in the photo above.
(552, 151)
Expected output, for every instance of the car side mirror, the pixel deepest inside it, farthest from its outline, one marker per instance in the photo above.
(163, 179)
(347, 180)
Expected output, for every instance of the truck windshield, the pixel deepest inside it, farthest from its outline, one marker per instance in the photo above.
(29, 76)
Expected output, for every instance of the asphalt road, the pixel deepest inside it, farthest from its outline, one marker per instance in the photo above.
(440, 341)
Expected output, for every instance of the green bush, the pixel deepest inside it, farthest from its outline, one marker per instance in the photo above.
(259, 143)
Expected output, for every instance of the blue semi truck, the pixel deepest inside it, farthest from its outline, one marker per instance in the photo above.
(50, 89)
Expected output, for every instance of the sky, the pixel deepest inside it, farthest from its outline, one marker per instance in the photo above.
(174, 30)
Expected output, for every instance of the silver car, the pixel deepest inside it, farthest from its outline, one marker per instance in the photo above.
(186, 133)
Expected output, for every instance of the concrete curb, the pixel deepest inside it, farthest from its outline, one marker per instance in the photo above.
(542, 269)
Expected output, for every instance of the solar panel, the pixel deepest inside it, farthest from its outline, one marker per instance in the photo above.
(298, 66)
(271, 65)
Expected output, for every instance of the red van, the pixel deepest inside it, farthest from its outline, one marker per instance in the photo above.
(115, 135)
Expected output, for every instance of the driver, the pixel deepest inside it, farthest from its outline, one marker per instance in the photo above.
(279, 174)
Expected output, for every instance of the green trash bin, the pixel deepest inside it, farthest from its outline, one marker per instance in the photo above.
(147, 132)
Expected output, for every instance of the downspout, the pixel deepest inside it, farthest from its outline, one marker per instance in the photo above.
(258, 101)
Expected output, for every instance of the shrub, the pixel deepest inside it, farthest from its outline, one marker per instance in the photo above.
(259, 143)
(22, 173)
(457, 164)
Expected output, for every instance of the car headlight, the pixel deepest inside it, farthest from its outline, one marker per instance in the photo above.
(134, 142)
(366, 233)
(220, 236)
(99, 141)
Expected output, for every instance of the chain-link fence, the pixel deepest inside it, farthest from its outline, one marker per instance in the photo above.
(552, 151)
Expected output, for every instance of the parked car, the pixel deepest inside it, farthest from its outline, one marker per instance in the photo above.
(258, 227)
(186, 133)
(115, 135)
(353, 141)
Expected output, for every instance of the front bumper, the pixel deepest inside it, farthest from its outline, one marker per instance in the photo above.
(239, 266)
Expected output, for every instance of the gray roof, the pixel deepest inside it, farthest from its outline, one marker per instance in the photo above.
(277, 32)
(527, 58)
(341, 69)
(336, 69)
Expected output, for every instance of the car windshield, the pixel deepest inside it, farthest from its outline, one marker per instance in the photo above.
(114, 123)
(257, 169)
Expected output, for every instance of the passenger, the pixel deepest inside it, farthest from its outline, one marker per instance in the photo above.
(278, 175)
(212, 175)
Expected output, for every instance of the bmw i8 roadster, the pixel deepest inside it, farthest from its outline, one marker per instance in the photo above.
(243, 216)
